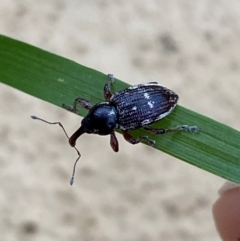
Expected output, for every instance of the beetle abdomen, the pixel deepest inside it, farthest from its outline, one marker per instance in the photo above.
(143, 104)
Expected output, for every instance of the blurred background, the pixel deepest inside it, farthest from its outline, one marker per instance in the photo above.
(138, 194)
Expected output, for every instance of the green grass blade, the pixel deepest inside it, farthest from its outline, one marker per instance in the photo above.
(58, 80)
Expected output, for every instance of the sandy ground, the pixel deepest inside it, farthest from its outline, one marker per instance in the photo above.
(138, 194)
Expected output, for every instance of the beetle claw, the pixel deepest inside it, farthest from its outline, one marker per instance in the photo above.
(150, 142)
(192, 129)
(67, 107)
(111, 78)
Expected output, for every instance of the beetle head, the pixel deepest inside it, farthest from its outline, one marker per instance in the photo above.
(101, 120)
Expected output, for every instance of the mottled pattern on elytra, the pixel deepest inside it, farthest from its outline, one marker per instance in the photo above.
(141, 105)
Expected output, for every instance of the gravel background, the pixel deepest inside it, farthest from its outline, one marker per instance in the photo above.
(139, 194)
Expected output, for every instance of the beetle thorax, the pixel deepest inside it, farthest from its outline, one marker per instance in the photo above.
(101, 119)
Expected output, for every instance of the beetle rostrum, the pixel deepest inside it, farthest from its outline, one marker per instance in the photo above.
(135, 107)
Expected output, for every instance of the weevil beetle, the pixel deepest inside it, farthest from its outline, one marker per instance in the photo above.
(135, 107)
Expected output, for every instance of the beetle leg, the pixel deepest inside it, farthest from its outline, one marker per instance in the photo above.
(152, 82)
(79, 101)
(114, 141)
(84, 103)
(107, 87)
(193, 129)
(133, 141)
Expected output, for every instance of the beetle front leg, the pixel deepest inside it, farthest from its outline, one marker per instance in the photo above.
(79, 101)
(134, 141)
(114, 141)
(192, 129)
(107, 87)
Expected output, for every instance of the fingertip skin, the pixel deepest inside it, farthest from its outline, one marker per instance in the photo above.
(226, 213)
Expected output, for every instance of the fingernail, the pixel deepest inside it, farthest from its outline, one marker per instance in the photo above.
(226, 187)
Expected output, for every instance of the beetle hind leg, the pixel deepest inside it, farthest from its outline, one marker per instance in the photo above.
(134, 141)
(107, 87)
(192, 129)
(79, 101)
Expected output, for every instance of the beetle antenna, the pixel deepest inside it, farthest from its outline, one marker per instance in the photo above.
(60, 124)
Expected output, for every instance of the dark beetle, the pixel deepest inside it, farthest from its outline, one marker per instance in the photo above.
(135, 107)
